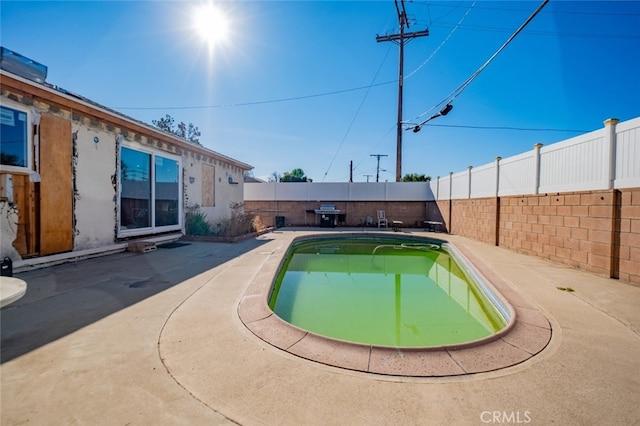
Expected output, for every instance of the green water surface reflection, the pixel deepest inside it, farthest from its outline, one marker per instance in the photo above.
(382, 292)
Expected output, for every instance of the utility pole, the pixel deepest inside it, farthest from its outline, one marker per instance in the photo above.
(400, 39)
(378, 167)
(351, 171)
(368, 176)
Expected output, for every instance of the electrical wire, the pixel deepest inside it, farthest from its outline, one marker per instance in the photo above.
(443, 42)
(555, 11)
(364, 172)
(395, 81)
(453, 95)
(528, 129)
(452, 9)
(373, 148)
(543, 33)
(344, 137)
(269, 101)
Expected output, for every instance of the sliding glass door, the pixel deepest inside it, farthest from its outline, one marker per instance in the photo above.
(167, 191)
(149, 192)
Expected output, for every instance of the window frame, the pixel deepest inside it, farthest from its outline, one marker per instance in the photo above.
(152, 229)
(30, 141)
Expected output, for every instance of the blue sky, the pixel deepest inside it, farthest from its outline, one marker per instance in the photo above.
(305, 84)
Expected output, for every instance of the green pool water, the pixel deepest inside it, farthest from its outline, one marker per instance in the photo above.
(389, 292)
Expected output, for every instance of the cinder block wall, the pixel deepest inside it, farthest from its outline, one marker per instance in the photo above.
(411, 213)
(628, 236)
(597, 231)
(475, 218)
(571, 228)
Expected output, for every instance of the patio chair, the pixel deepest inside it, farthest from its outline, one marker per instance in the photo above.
(382, 220)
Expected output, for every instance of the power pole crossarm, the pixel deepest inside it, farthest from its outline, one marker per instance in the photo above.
(394, 37)
(378, 166)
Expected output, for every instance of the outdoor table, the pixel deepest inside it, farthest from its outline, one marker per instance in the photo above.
(11, 289)
(431, 225)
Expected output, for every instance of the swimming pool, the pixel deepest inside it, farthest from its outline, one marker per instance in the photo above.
(526, 334)
(385, 291)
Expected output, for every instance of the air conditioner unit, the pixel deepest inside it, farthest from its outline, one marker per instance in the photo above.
(22, 66)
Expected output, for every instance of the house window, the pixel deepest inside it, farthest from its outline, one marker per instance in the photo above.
(135, 196)
(149, 192)
(14, 137)
(167, 191)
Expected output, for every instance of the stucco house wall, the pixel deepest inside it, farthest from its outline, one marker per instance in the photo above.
(75, 148)
(228, 186)
(95, 190)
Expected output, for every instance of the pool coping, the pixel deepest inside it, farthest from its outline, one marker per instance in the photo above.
(527, 333)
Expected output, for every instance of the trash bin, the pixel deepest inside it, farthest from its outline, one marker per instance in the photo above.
(7, 267)
(279, 221)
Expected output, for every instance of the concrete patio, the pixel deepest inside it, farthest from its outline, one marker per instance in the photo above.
(156, 338)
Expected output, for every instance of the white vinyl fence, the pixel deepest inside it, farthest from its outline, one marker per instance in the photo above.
(603, 159)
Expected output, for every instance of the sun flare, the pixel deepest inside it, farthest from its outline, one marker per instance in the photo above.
(211, 23)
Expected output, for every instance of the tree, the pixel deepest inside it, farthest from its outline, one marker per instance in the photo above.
(9, 159)
(295, 175)
(415, 177)
(184, 131)
(274, 177)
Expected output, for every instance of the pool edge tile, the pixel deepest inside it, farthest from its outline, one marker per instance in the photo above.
(532, 316)
(529, 338)
(253, 308)
(492, 356)
(275, 332)
(332, 352)
(403, 362)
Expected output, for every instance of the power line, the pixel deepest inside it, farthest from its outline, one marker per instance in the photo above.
(452, 9)
(377, 144)
(384, 83)
(473, 76)
(355, 115)
(270, 101)
(443, 42)
(555, 11)
(542, 33)
(529, 129)
(463, 126)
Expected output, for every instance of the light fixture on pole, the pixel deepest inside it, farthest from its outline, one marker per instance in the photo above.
(444, 111)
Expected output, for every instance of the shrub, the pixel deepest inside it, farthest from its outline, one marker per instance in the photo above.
(196, 222)
(240, 222)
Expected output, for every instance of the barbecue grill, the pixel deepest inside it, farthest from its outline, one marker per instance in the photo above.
(328, 215)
